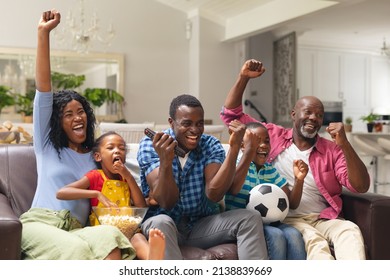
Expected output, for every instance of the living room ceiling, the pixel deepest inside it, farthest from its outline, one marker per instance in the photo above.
(360, 24)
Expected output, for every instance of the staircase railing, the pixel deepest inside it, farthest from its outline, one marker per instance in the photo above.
(252, 106)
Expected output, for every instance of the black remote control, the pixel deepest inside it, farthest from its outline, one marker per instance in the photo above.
(178, 151)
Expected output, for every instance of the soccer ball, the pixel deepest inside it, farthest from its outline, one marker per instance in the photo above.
(270, 200)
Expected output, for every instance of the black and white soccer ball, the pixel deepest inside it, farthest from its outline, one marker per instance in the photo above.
(270, 200)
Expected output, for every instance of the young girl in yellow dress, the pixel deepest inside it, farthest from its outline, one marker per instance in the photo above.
(112, 185)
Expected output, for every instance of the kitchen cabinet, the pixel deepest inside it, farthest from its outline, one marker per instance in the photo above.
(333, 75)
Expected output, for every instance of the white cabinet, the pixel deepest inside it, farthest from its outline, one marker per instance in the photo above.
(319, 74)
(355, 81)
(327, 76)
(333, 75)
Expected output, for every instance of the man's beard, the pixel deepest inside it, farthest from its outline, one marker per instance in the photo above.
(306, 134)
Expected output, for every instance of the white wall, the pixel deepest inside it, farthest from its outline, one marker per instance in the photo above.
(159, 64)
(260, 90)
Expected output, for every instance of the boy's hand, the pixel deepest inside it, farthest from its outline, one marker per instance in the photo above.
(251, 140)
(300, 169)
(237, 132)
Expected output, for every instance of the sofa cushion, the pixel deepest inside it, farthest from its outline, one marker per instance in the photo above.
(18, 176)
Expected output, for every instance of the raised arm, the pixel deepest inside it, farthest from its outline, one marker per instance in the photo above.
(219, 177)
(251, 69)
(49, 20)
(357, 171)
(251, 141)
(294, 195)
(161, 181)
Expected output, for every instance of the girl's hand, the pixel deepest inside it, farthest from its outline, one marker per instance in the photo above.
(121, 169)
(106, 202)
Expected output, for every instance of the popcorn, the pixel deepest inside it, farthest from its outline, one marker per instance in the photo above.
(126, 219)
(126, 224)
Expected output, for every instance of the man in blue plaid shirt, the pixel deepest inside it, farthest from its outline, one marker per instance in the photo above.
(186, 190)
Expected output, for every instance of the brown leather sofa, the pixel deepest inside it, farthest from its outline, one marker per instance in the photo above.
(18, 181)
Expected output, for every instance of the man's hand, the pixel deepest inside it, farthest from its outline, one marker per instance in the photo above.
(164, 145)
(252, 69)
(337, 132)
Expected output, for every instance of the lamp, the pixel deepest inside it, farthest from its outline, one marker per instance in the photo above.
(385, 50)
(83, 35)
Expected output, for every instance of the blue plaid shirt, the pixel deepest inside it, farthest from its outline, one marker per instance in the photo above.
(192, 203)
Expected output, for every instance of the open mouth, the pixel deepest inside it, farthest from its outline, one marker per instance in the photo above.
(79, 129)
(192, 139)
(310, 126)
(117, 158)
(262, 154)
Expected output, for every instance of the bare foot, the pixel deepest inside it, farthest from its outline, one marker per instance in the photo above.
(156, 244)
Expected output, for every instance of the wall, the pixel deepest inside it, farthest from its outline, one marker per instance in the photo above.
(260, 90)
(160, 63)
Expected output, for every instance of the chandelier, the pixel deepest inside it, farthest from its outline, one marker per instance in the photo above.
(81, 35)
(385, 50)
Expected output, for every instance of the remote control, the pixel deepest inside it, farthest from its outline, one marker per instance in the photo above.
(178, 151)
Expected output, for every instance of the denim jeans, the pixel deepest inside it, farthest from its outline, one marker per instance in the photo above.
(284, 242)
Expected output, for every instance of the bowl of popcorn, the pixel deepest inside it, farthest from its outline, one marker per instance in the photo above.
(126, 219)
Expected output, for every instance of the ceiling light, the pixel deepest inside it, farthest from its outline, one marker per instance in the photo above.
(82, 35)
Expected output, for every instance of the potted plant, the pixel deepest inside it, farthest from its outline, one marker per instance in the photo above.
(6, 97)
(25, 104)
(370, 120)
(348, 124)
(96, 96)
(66, 81)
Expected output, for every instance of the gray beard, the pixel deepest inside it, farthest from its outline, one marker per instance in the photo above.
(308, 135)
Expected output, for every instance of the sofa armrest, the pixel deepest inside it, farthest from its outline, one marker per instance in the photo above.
(11, 232)
(370, 212)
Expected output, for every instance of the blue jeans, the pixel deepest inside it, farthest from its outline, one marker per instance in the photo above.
(284, 242)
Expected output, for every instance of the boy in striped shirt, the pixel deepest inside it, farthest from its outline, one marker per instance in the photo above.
(283, 241)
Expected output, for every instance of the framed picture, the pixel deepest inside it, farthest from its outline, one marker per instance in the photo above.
(284, 79)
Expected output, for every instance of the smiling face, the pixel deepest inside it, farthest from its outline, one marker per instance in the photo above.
(308, 116)
(188, 126)
(111, 152)
(74, 123)
(263, 148)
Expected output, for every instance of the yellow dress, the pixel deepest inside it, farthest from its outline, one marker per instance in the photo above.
(115, 190)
